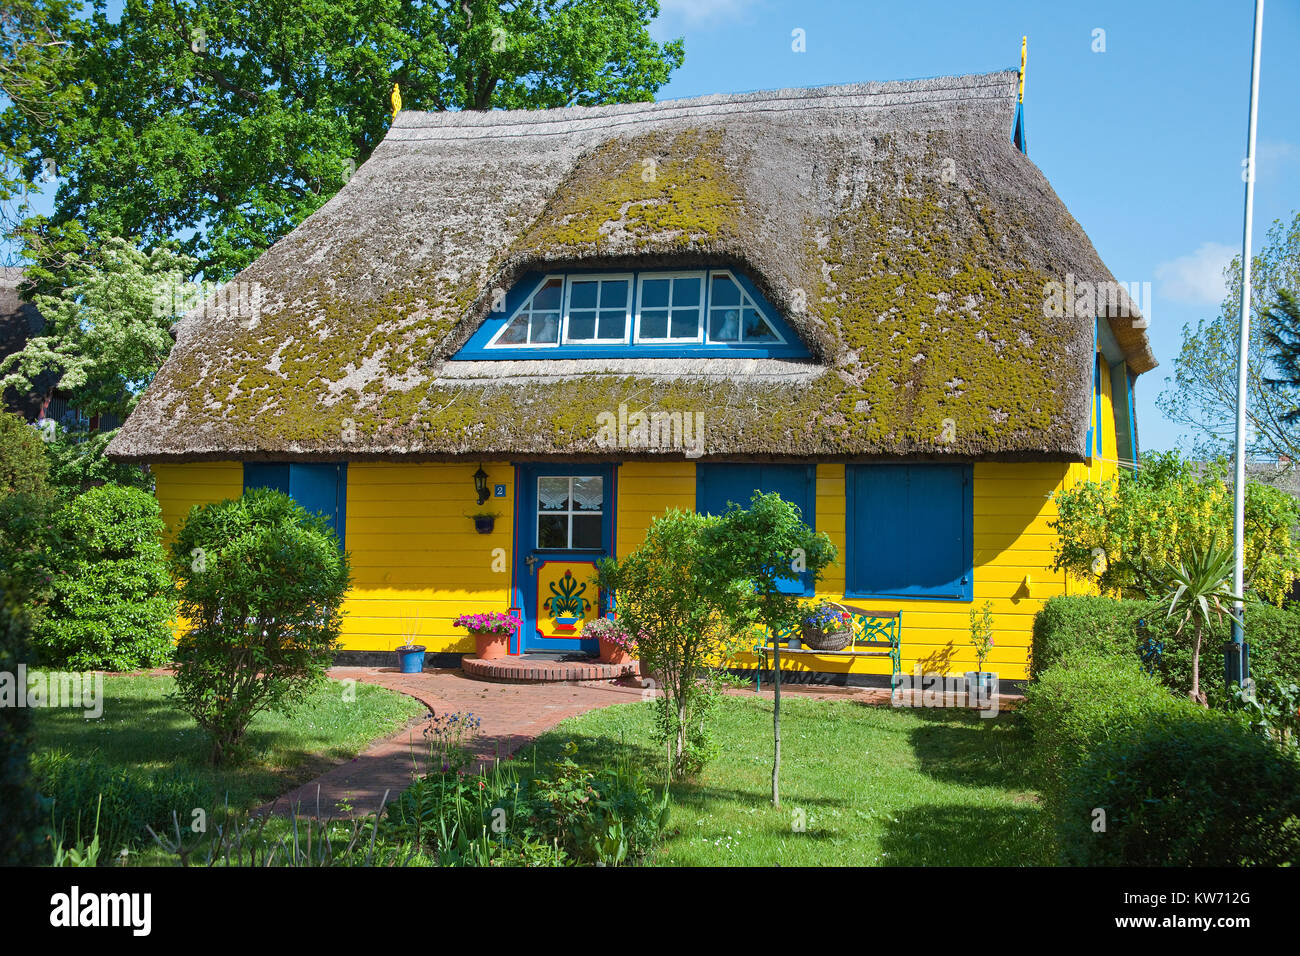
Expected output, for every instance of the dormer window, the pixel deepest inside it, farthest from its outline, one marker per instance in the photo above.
(647, 313)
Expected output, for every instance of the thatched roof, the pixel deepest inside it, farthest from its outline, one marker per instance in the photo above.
(19, 321)
(894, 225)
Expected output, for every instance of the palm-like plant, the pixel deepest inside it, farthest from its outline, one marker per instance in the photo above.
(1200, 583)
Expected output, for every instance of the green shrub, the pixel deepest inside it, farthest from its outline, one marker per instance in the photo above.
(1093, 625)
(261, 582)
(131, 800)
(23, 466)
(1084, 702)
(111, 600)
(1196, 791)
(20, 812)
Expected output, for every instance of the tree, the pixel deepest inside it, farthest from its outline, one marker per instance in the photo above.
(684, 608)
(1284, 337)
(260, 584)
(108, 331)
(1204, 392)
(764, 545)
(228, 124)
(1123, 534)
(23, 467)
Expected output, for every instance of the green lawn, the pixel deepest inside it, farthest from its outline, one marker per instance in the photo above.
(872, 785)
(142, 730)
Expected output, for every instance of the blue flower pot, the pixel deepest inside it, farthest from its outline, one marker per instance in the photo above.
(411, 659)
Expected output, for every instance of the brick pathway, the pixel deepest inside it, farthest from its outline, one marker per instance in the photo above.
(512, 715)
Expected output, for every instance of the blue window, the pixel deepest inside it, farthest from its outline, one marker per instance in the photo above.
(647, 313)
(717, 486)
(318, 487)
(909, 531)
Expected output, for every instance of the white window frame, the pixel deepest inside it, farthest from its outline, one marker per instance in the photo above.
(698, 338)
(597, 277)
(746, 302)
(568, 513)
(494, 344)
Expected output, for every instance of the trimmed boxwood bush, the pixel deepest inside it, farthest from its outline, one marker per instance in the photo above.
(1196, 791)
(1093, 626)
(1086, 701)
(112, 599)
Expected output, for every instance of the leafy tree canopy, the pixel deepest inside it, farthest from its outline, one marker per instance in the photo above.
(1122, 534)
(1203, 392)
(226, 124)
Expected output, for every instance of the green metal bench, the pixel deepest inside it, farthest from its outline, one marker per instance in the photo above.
(871, 629)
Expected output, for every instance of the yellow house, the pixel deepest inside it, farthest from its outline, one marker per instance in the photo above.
(514, 338)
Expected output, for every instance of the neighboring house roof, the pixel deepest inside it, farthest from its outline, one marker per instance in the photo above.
(19, 321)
(894, 225)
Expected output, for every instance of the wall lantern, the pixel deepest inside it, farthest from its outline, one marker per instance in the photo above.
(480, 484)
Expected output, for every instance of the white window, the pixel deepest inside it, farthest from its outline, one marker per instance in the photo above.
(734, 317)
(670, 307)
(596, 308)
(537, 322)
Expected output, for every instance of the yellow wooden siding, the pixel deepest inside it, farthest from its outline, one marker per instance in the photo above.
(647, 489)
(417, 561)
(179, 488)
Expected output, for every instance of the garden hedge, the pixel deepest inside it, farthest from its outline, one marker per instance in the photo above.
(1095, 626)
(20, 809)
(1193, 791)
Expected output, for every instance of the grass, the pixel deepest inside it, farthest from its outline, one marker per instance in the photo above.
(860, 785)
(141, 730)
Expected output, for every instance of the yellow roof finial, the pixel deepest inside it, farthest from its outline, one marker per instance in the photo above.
(1024, 55)
(397, 100)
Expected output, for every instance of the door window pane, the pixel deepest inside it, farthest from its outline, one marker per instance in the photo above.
(570, 513)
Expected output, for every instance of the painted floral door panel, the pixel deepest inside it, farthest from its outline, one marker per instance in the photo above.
(565, 527)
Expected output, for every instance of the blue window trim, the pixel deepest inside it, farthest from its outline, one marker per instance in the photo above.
(809, 513)
(1096, 398)
(1130, 379)
(340, 517)
(967, 585)
(476, 349)
(1094, 417)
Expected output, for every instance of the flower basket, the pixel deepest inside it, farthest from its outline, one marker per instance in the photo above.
(827, 628)
(835, 639)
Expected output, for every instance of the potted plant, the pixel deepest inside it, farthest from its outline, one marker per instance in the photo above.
(485, 521)
(410, 658)
(491, 633)
(616, 644)
(980, 684)
(826, 627)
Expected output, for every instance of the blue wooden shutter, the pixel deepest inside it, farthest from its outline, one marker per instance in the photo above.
(909, 531)
(318, 487)
(718, 484)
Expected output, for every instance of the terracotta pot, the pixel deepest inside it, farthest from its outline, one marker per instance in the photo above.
(488, 647)
(611, 653)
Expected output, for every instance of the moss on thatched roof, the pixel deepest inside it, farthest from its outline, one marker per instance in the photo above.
(894, 225)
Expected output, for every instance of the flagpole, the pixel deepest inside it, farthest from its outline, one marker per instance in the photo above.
(1233, 652)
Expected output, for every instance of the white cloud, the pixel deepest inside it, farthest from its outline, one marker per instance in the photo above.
(702, 11)
(1197, 277)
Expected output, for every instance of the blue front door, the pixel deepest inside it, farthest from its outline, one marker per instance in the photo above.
(565, 524)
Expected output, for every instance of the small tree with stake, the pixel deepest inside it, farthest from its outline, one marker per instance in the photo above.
(766, 544)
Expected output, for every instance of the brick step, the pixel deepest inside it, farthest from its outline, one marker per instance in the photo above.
(525, 670)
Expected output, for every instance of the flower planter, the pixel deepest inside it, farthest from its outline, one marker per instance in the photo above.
(489, 646)
(484, 525)
(410, 660)
(981, 687)
(821, 640)
(611, 653)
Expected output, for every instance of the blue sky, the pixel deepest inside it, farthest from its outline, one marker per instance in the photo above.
(1143, 142)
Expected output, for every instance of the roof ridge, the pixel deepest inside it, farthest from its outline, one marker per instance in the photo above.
(418, 125)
